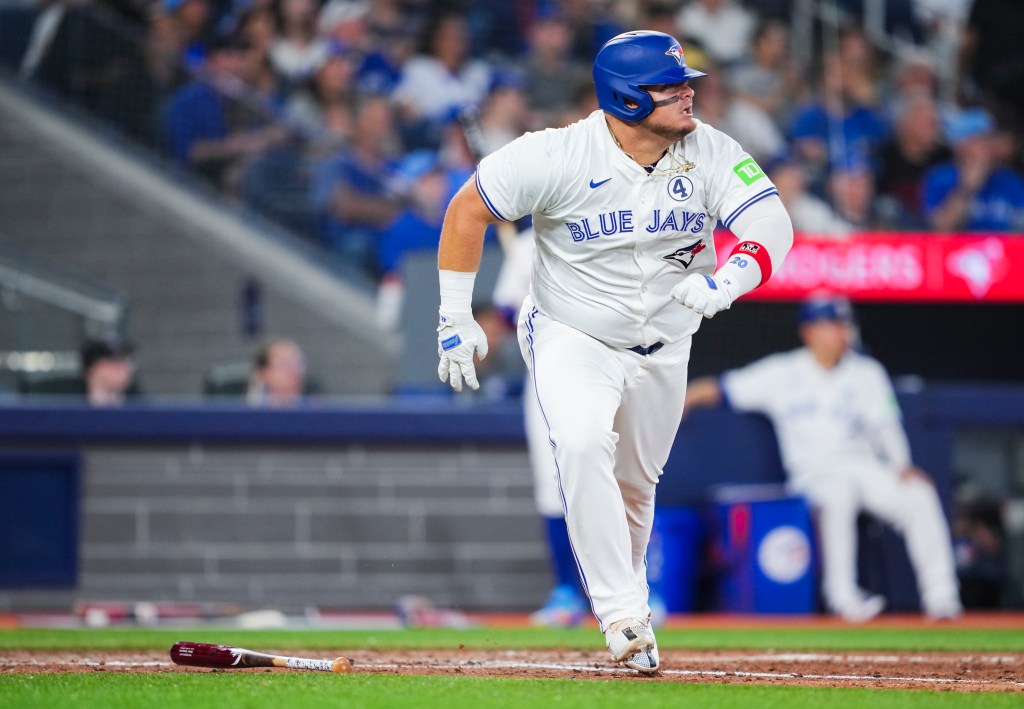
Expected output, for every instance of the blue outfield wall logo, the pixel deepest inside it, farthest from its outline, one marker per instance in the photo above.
(784, 554)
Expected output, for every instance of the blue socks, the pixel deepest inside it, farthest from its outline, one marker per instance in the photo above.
(562, 559)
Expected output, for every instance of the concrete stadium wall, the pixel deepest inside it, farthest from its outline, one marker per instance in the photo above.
(336, 527)
(352, 526)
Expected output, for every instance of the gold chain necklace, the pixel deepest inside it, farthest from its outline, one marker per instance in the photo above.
(676, 168)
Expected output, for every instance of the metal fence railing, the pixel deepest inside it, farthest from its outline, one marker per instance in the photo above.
(46, 312)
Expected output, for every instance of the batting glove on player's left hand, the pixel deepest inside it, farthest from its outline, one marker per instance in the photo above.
(704, 295)
(458, 337)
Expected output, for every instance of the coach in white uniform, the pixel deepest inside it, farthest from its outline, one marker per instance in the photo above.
(844, 449)
(624, 205)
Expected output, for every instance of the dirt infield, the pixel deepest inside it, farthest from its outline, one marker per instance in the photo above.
(955, 672)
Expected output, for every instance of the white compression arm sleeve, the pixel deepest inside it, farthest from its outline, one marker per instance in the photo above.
(766, 235)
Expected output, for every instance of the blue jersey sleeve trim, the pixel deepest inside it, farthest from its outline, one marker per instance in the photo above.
(487, 200)
(753, 200)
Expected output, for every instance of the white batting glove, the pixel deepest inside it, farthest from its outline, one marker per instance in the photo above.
(458, 338)
(704, 295)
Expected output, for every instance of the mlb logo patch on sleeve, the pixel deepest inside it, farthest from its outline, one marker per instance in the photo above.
(748, 171)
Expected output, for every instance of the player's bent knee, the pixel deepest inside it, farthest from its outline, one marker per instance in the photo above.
(579, 442)
(640, 492)
(918, 490)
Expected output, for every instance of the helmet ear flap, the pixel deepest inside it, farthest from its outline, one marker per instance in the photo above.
(644, 104)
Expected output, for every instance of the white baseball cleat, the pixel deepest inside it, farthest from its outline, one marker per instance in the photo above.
(631, 642)
(646, 662)
(948, 609)
(862, 610)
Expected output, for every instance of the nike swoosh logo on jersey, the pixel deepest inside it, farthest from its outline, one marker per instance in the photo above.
(597, 184)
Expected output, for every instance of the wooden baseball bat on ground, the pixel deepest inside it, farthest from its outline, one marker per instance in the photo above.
(227, 657)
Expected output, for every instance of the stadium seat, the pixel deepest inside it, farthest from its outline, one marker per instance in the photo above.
(227, 379)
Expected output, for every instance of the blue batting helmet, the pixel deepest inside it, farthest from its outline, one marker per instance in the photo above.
(825, 306)
(631, 61)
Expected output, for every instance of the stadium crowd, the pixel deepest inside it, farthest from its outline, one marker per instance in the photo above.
(345, 119)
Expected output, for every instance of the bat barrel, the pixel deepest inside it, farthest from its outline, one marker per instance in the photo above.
(205, 654)
(209, 655)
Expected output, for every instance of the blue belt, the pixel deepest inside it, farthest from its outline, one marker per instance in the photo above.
(641, 350)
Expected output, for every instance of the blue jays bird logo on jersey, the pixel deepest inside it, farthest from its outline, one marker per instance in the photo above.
(676, 51)
(687, 254)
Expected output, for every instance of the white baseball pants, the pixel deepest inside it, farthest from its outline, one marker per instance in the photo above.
(546, 494)
(911, 506)
(612, 416)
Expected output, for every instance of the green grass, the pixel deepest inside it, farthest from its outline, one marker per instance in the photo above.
(222, 690)
(278, 689)
(812, 638)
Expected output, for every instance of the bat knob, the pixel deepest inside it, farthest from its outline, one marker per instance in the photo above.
(341, 665)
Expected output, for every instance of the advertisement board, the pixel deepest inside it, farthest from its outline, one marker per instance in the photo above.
(898, 267)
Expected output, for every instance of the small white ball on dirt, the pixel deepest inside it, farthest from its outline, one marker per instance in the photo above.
(267, 619)
(146, 613)
(96, 618)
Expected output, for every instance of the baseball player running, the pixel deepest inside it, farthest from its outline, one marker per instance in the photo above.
(624, 204)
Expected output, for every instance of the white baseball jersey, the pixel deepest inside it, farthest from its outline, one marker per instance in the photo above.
(613, 240)
(825, 419)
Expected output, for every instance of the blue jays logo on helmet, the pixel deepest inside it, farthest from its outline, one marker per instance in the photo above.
(629, 63)
(676, 51)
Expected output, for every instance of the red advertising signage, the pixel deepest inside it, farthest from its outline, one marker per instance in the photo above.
(887, 266)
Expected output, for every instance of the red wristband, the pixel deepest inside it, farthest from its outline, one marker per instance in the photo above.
(756, 251)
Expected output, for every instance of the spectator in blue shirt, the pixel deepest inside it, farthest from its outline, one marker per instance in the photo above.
(840, 124)
(354, 193)
(418, 226)
(198, 124)
(973, 192)
(428, 184)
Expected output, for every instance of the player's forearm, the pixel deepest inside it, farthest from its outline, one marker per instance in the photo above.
(765, 235)
(201, 152)
(462, 235)
(893, 443)
(352, 206)
(702, 392)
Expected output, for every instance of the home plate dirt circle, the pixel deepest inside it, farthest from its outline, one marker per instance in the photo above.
(958, 672)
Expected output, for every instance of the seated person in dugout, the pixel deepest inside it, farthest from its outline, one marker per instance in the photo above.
(844, 449)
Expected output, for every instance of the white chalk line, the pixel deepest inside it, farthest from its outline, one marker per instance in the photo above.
(816, 657)
(597, 669)
(727, 673)
(86, 663)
